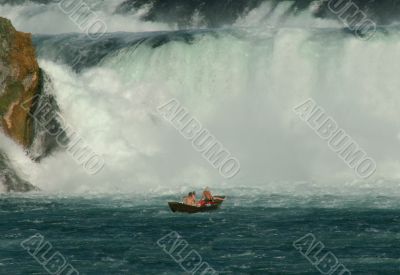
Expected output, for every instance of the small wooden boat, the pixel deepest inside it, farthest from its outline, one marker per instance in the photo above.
(209, 206)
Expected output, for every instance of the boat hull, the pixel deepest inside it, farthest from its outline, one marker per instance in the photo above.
(184, 208)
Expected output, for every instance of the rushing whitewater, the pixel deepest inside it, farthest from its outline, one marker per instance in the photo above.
(241, 81)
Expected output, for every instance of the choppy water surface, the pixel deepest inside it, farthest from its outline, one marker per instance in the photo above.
(248, 235)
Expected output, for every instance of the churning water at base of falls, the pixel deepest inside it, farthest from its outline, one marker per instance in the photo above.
(251, 234)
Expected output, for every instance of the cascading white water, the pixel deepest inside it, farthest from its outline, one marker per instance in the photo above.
(242, 85)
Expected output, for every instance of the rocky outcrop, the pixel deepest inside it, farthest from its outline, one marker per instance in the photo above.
(19, 82)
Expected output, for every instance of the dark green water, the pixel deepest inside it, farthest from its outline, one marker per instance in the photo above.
(249, 235)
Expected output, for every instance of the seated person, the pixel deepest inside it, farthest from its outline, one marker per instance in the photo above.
(190, 199)
(207, 196)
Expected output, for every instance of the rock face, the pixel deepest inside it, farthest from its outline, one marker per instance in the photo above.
(19, 82)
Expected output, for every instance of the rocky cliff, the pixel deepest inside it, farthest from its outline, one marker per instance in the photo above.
(19, 82)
